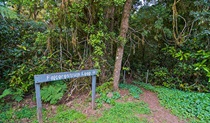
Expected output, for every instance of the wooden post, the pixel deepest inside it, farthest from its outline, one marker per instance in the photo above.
(38, 102)
(93, 91)
(124, 76)
(147, 75)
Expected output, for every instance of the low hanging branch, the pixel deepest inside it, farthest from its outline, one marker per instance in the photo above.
(174, 23)
(179, 36)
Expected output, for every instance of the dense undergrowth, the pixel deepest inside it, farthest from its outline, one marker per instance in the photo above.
(32, 43)
(188, 105)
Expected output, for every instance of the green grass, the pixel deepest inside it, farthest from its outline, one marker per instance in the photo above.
(15, 115)
(125, 113)
(187, 105)
(66, 115)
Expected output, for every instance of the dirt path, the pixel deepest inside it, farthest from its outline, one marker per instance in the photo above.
(158, 113)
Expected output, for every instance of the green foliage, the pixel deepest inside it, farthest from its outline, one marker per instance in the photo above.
(134, 90)
(116, 95)
(106, 94)
(119, 2)
(66, 115)
(5, 93)
(45, 33)
(96, 41)
(187, 105)
(188, 70)
(25, 112)
(204, 64)
(7, 116)
(121, 41)
(160, 75)
(173, 66)
(119, 113)
(16, 115)
(54, 92)
(16, 95)
(105, 88)
(7, 13)
(145, 85)
(108, 98)
(19, 61)
(29, 47)
(192, 71)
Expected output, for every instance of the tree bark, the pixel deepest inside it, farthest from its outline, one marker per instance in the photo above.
(120, 49)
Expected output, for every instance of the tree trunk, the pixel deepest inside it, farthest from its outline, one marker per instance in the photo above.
(120, 49)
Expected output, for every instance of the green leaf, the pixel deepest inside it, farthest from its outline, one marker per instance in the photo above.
(5, 93)
(7, 13)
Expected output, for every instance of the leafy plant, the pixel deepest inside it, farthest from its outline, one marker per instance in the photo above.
(54, 92)
(105, 88)
(186, 104)
(5, 93)
(134, 90)
(104, 98)
(25, 112)
(16, 115)
(7, 13)
(106, 94)
(7, 116)
(204, 64)
(16, 95)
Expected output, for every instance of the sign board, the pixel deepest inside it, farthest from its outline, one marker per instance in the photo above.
(61, 76)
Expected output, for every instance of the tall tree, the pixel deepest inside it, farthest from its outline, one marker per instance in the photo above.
(122, 40)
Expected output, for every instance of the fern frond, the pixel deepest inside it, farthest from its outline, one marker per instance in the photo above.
(54, 92)
(8, 13)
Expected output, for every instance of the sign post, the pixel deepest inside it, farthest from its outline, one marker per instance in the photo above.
(61, 76)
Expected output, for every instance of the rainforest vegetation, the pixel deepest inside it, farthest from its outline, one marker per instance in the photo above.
(162, 46)
(167, 40)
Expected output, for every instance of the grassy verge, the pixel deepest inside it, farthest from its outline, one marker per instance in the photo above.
(188, 105)
(17, 115)
(66, 115)
(125, 113)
